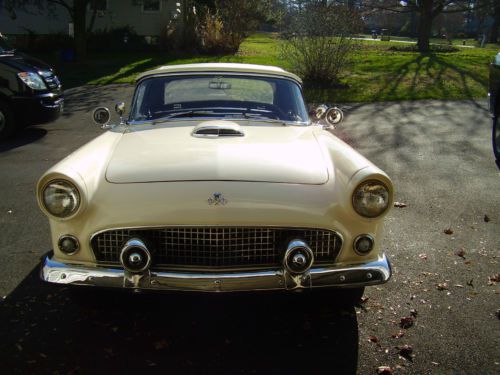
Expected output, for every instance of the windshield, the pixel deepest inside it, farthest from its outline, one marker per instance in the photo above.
(218, 96)
(4, 46)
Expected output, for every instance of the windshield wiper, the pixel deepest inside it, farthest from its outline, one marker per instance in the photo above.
(260, 117)
(191, 113)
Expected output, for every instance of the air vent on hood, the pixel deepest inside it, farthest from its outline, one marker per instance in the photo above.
(212, 130)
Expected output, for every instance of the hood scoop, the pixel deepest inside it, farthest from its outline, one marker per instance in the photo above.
(215, 129)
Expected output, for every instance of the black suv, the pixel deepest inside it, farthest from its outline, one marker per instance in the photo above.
(30, 92)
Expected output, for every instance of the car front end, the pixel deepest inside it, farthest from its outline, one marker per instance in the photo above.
(219, 203)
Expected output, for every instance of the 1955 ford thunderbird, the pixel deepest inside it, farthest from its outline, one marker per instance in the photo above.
(217, 181)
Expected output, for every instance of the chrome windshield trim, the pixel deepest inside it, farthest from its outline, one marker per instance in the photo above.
(156, 122)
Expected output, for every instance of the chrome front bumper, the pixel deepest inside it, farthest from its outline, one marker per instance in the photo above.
(356, 275)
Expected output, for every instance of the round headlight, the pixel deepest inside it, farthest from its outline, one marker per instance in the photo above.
(61, 198)
(370, 199)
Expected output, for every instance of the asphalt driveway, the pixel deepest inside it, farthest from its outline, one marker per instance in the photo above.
(444, 246)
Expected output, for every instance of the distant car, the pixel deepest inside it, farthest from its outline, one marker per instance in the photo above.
(494, 96)
(218, 181)
(30, 92)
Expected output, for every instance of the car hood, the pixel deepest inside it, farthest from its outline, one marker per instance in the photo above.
(265, 153)
(23, 62)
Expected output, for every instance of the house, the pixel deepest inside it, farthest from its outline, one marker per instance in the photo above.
(147, 17)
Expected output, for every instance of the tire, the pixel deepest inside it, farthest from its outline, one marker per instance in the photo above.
(6, 122)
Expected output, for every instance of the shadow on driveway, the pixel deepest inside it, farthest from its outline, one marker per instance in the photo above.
(22, 138)
(58, 330)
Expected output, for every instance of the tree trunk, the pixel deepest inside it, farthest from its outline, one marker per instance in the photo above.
(79, 19)
(425, 25)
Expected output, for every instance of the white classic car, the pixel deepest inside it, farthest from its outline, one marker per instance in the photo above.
(218, 181)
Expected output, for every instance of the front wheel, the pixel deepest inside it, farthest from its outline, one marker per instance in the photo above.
(6, 122)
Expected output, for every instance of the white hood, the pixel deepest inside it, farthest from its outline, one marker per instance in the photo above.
(267, 153)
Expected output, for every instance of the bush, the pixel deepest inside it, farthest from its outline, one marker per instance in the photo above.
(119, 39)
(223, 30)
(32, 42)
(215, 38)
(319, 44)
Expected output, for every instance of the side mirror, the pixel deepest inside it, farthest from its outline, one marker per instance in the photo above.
(120, 109)
(331, 115)
(101, 116)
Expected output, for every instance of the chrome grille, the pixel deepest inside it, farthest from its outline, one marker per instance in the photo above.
(220, 247)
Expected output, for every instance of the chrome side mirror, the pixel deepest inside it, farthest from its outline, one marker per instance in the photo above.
(331, 115)
(120, 109)
(334, 116)
(101, 117)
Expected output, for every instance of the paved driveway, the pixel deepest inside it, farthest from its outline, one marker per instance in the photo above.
(439, 156)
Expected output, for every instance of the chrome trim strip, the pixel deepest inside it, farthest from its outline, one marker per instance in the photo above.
(356, 275)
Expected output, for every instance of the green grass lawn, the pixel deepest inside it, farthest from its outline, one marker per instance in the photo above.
(377, 74)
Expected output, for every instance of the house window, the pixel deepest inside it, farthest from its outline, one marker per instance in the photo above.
(151, 6)
(99, 5)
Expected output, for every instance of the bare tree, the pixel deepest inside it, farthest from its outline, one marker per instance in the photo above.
(427, 11)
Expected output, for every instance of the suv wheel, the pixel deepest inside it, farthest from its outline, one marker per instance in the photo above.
(6, 122)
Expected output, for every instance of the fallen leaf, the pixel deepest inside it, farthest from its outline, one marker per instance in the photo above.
(435, 363)
(494, 278)
(422, 256)
(460, 253)
(414, 312)
(162, 344)
(406, 322)
(486, 219)
(448, 231)
(373, 339)
(384, 370)
(398, 334)
(405, 351)
(399, 204)
(458, 286)
(442, 286)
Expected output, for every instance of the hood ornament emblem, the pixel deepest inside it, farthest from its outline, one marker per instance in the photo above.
(217, 200)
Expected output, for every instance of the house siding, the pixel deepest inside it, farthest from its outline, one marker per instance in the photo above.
(120, 13)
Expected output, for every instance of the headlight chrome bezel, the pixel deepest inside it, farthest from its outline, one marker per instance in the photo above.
(75, 190)
(364, 212)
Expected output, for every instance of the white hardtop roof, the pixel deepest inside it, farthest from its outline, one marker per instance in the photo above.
(221, 67)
